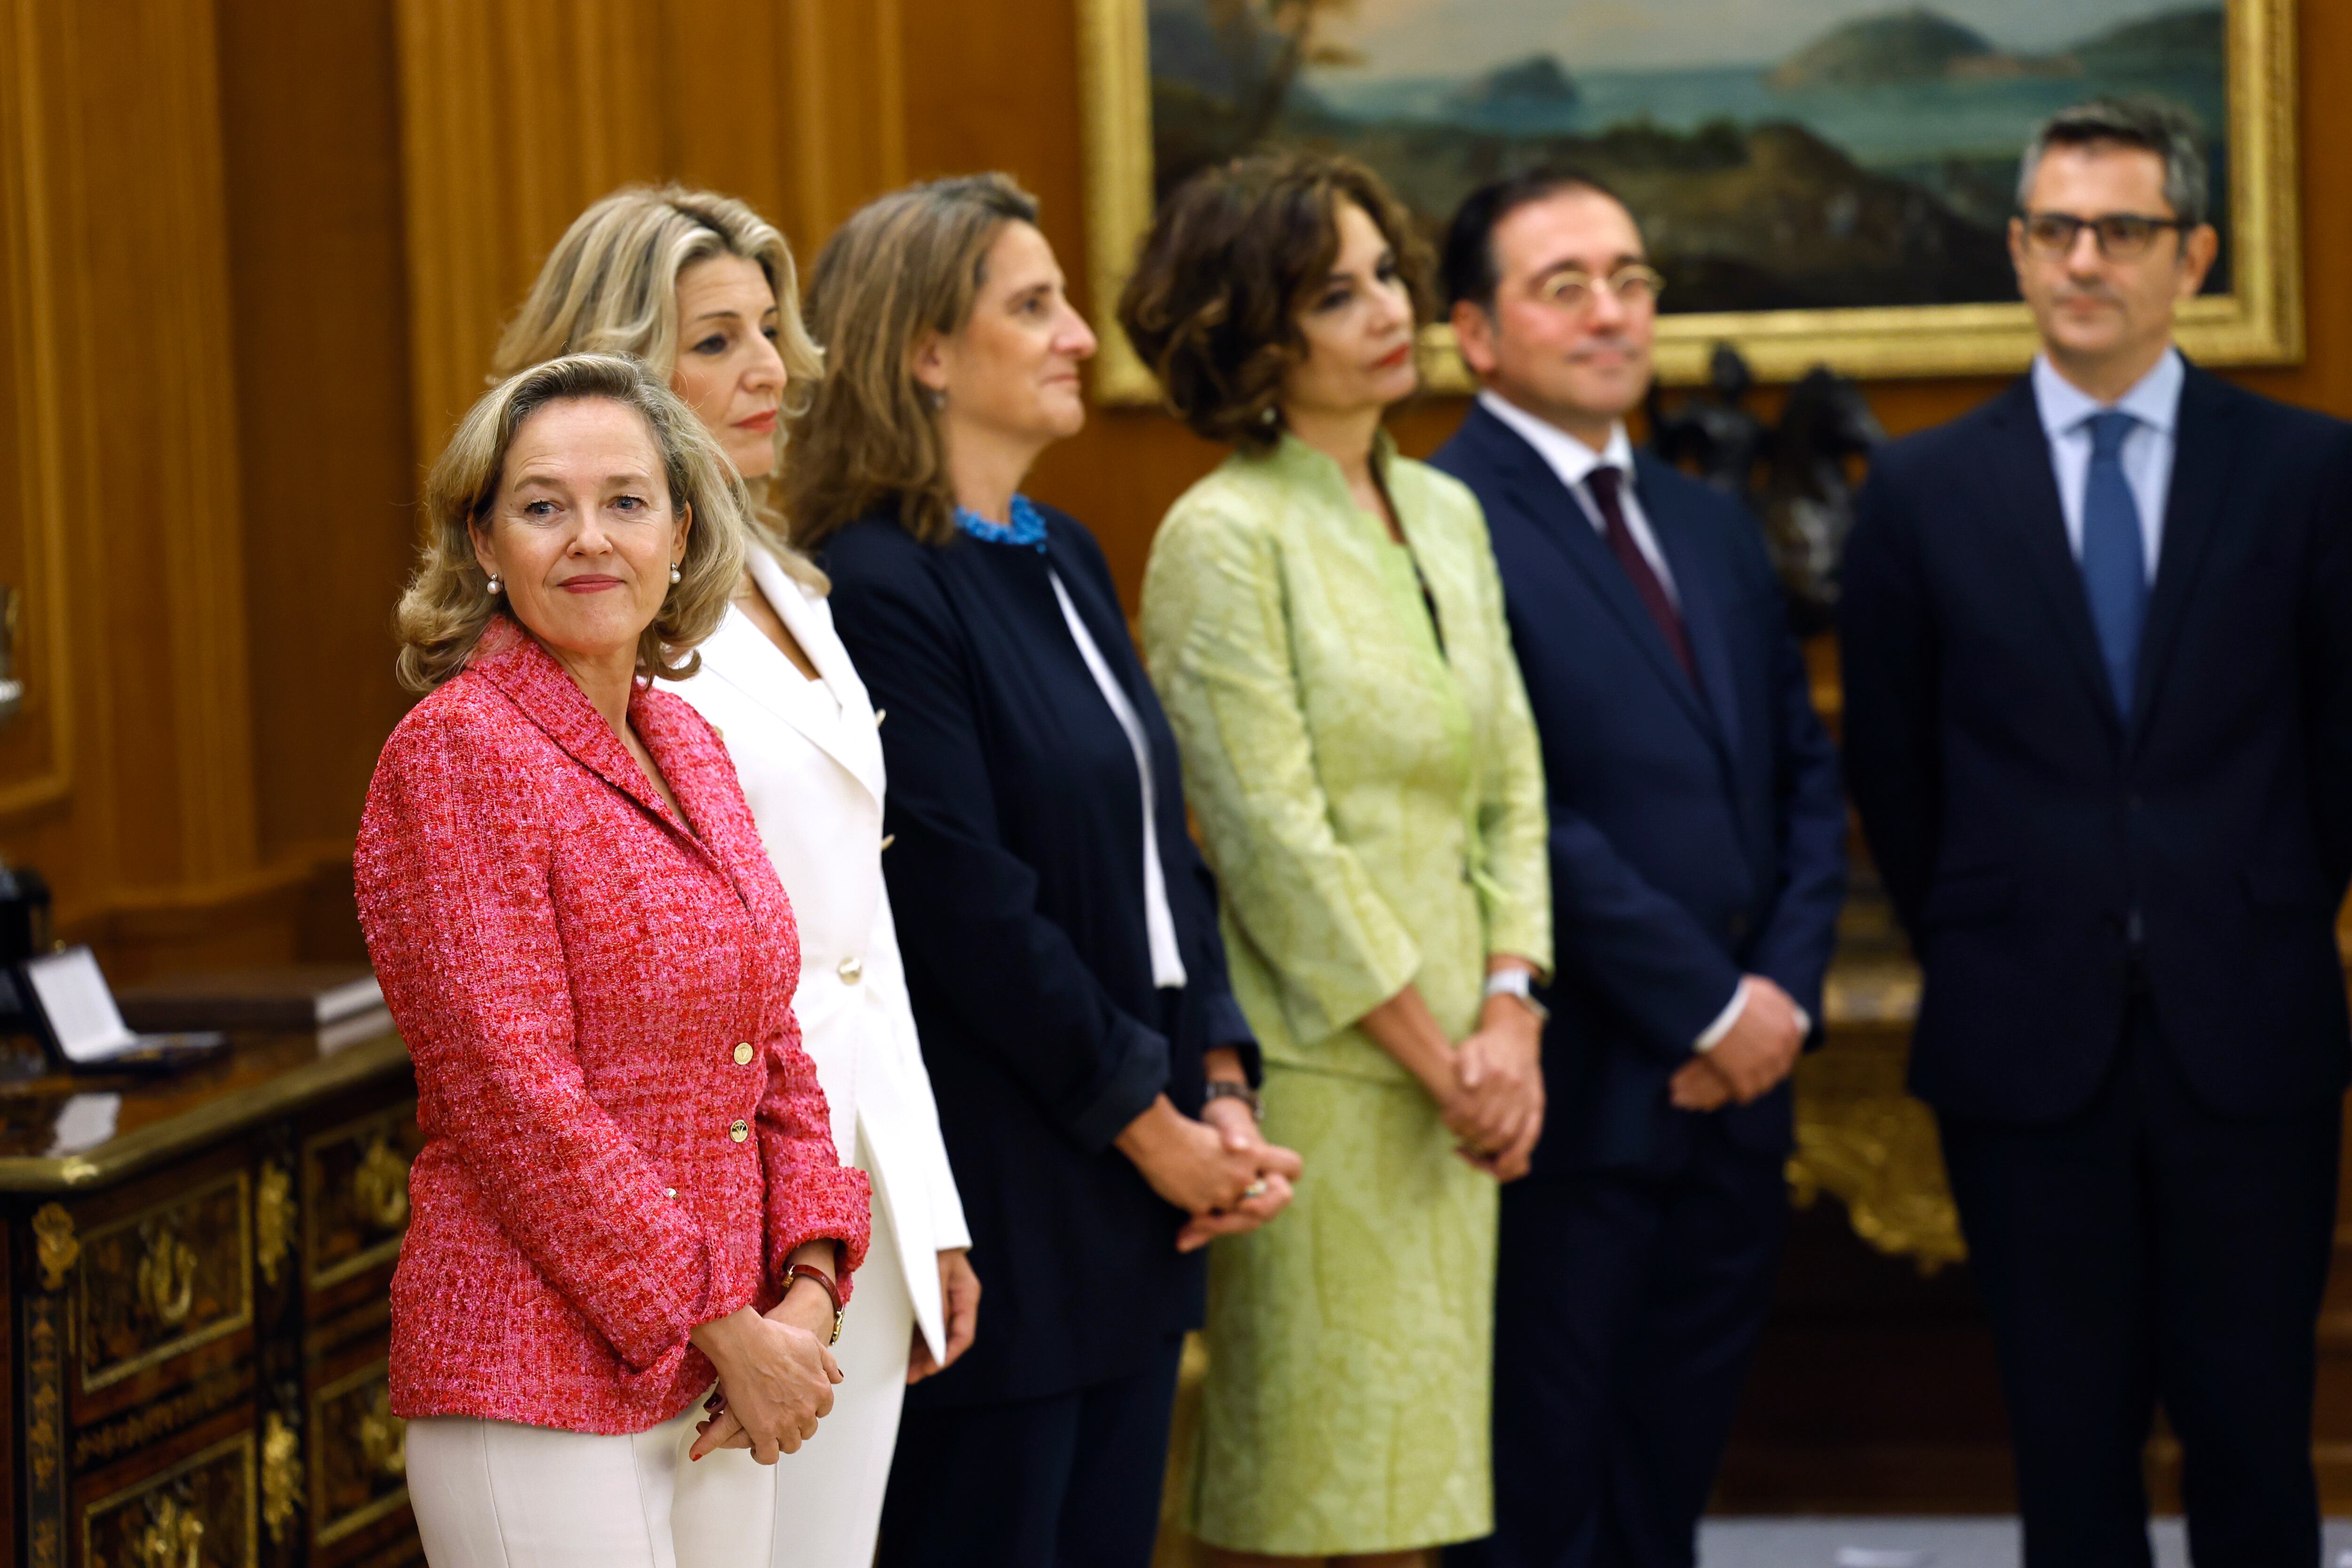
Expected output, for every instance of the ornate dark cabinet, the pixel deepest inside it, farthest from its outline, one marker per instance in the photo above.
(198, 1313)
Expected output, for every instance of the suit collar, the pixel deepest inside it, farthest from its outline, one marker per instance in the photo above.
(1694, 583)
(2037, 522)
(2203, 447)
(2154, 400)
(511, 659)
(1556, 515)
(831, 712)
(1569, 459)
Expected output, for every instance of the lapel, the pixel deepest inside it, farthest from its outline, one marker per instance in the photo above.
(2029, 488)
(512, 660)
(2201, 444)
(1702, 604)
(760, 670)
(1107, 624)
(1559, 518)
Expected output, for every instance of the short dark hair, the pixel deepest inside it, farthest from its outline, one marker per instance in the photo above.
(2147, 123)
(1213, 302)
(1467, 267)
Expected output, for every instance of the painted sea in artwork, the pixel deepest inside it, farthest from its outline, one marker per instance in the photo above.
(1780, 153)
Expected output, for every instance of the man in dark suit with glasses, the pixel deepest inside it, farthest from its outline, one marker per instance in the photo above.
(1698, 860)
(2097, 646)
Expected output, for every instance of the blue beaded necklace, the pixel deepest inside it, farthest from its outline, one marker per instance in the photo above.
(1027, 527)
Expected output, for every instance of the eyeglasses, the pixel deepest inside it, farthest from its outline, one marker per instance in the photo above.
(1573, 289)
(2122, 237)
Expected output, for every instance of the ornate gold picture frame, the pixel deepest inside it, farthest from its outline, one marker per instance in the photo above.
(2258, 320)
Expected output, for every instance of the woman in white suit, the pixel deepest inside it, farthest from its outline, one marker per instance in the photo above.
(702, 286)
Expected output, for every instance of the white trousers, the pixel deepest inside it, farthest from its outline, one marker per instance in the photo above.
(821, 1507)
(496, 1494)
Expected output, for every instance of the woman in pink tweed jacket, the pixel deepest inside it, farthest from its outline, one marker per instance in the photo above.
(587, 951)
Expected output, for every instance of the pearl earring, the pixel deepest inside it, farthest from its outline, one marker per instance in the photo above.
(496, 586)
(674, 572)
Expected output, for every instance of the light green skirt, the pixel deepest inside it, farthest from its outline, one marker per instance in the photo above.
(1350, 1341)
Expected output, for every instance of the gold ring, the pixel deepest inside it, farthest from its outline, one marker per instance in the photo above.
(1255, 1189)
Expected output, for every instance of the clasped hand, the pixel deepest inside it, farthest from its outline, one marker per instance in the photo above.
(1219, 1169)
(1748, 1062)
(776, 1373)
(1497, 1106)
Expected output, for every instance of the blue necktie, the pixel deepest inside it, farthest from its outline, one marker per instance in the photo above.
(2114, 572)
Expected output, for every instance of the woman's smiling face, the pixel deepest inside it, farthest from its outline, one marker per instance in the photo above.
(582, 533)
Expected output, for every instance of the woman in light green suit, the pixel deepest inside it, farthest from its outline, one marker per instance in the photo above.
(1325, 624)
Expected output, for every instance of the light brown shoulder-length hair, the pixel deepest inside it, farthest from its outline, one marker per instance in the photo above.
(1235, 255)
(448, 604)
(904, 266)
(609, 286)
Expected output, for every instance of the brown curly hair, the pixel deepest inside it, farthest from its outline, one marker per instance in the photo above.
(1232, 259)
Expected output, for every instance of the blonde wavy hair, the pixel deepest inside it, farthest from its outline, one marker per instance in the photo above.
(448, 604)
(904, 266)
(609, 286)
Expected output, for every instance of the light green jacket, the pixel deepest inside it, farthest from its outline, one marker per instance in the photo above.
(1373, 806)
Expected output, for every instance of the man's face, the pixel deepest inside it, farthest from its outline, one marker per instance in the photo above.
(2095, 302)
(1569, 334)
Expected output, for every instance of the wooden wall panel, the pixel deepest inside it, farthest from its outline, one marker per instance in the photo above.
(795, 108)
(37, 751)
(319, 293)
(119, 303)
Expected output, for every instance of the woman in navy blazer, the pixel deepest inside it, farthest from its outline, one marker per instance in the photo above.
(1092, 1070)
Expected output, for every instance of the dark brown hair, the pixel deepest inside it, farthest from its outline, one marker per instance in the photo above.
(1233, 257)
(905, 265)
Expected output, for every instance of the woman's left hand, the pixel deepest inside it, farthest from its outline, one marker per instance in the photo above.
(960, 1304)
(1502, 1075)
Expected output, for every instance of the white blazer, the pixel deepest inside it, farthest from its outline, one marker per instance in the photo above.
(811, 766)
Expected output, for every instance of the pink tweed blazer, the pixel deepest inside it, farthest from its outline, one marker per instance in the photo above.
(623, 1138)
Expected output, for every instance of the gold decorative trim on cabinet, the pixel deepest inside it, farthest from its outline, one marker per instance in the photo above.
(200, 1513)
(355, 1194)
(53, 1244)
(161, 1282)
(45, 1432)
(273, 1219)
(358, 1453)
(281, 1474)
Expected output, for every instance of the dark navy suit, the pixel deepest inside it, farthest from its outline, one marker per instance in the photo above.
(2133, 1029)
(1697, 834)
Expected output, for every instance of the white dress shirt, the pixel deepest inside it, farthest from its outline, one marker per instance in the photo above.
(1573, 460)
(2146, 457)
(1159, 922)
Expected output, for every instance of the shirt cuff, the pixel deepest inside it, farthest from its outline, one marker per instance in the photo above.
(1712, 1036)
(1714, 1032)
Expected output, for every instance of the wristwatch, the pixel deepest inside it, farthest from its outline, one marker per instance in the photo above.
(1517, 984)
(832, 1293)
(1225, 1089)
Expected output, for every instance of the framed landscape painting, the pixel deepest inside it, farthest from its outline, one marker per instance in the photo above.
(1821, 180)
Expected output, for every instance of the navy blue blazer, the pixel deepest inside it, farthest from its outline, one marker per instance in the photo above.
(2024, 827)
(1698, 830)
(1016, 877)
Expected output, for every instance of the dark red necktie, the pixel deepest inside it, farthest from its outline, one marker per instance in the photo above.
(1606, 483)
